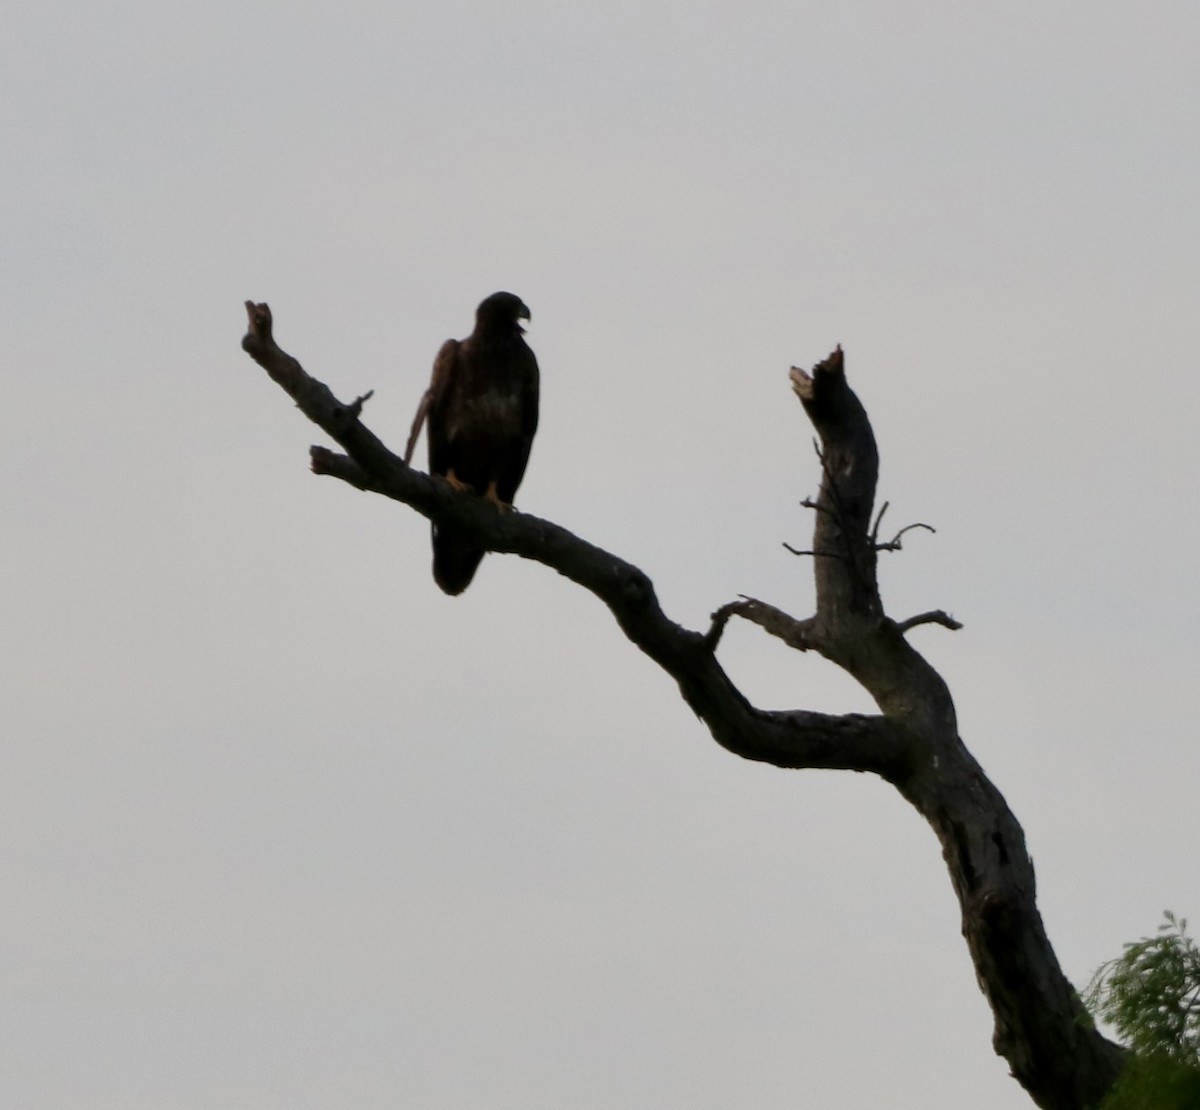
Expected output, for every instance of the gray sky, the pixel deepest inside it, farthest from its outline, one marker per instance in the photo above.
(286, 828)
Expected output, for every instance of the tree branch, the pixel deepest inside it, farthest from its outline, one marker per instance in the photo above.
(789, 739)
(934, 616)
(1040, 1024)
(795, 633)
(894, 543)
(1041, 1027)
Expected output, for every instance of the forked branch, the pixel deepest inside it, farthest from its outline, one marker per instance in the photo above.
(1040, 1025)
(787, 739)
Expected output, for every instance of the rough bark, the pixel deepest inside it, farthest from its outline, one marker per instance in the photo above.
(1041, 1028)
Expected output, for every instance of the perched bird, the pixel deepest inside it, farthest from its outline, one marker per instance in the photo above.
(482, 410)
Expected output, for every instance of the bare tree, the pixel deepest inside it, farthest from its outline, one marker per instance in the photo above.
(1041, 1027)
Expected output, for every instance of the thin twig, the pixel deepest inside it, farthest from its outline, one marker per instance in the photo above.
(934, 616)
(895, 545)
(878, 521)
(815, 554)
(356, 406)
(809, 503)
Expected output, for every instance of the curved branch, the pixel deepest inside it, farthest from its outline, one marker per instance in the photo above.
(799, 634)
(1040, 1025)
(894, 543)
(851, 742)
(934, 616)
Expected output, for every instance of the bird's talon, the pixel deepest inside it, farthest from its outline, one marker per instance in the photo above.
(492, 496)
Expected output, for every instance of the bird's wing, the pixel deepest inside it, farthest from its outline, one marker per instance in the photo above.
(435, 402)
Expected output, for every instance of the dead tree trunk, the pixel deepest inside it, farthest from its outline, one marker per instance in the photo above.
(1041, 1028)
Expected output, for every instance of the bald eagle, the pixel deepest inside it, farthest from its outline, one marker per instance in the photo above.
(482, 411)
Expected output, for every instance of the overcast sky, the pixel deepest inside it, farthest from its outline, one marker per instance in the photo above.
(287, 829)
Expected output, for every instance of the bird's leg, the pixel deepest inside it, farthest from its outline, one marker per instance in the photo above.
(494, 498)
(456, 483)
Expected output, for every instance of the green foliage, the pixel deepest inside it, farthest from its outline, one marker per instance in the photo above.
(1155, 1083)
(1151, 996)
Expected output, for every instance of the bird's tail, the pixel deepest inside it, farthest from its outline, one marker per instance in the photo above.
(454, 560)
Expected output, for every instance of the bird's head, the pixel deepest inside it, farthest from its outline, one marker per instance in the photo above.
(501, 311)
